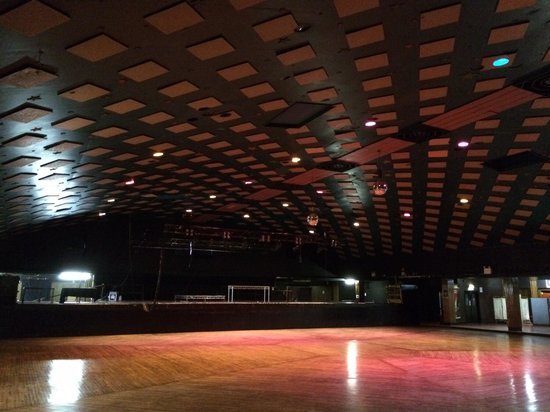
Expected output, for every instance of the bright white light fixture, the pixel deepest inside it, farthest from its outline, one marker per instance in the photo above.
(248, 182)
(311, 231)
(463, 200)
(295, 159)
(100, 214)
(285, 204)
(74, 275)
(349, 281)
(246, 216)
(320, 192)
(463, 144)
(370, 122)
(212, 196)
(111, 200)
(129, 182)
(188, 210)
(356, 224)
(471, 287)
(158, 154)
(407, 214)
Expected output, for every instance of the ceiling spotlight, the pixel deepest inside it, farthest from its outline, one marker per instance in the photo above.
(248, 182)
(102, 214)
(463, 200)
(188, 210)
(295, 159)
(285, 204)
(158, 154)
(246, 216)
(463, 144)
(319, 192)
(370, 122)
(311, 231)
(212, 196)
(129, 182)
(300, 28)
(356, 224)
(407, 214)
(111, 200)
(501, 61)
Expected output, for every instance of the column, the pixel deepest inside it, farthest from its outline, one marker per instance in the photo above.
(449, 300)
(533, 286)
(513, 310)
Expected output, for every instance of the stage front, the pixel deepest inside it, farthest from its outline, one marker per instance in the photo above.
(78, 319)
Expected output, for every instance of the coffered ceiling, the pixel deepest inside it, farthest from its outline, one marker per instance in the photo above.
(90, 90)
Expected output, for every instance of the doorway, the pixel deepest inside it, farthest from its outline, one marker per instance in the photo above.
(471, 307)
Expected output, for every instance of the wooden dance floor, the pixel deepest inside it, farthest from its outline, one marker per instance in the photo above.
(346, 369)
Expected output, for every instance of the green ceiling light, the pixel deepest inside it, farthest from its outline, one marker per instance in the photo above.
(501, 61)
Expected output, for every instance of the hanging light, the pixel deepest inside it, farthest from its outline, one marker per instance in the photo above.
(379, 187)
(312, 219)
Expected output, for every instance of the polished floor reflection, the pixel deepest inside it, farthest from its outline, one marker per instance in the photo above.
(348, 369)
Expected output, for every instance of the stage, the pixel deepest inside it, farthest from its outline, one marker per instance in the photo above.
(101, 318)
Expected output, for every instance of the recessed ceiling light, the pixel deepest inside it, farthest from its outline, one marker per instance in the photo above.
(248, 182)
(501, 61)
(246, 216)
(463, 144)
(356, 224)
(320, 192)
(129, 182)
(188, 210)
(158, 154)
(295, 159)
(102, 214)
(407, 214)
(285, 204)
(212, 196)
(111, 200)
(463, 200)
(300, 28)
(370, 122)
(311, 231)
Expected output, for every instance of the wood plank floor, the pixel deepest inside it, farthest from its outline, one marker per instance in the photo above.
(346, 369)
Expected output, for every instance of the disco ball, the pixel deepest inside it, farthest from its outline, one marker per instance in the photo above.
(379, 188)
(312, 219)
